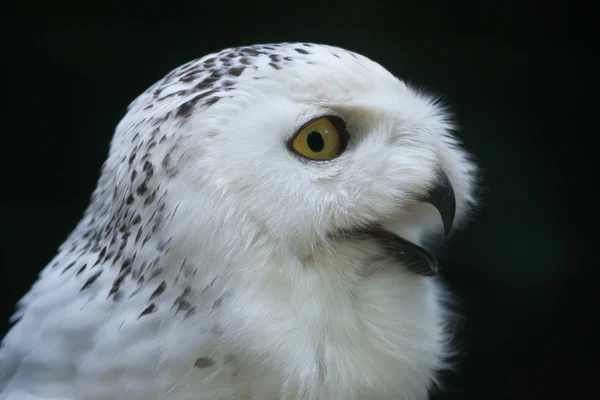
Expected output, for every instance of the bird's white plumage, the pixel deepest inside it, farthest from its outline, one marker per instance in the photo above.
(206, 266)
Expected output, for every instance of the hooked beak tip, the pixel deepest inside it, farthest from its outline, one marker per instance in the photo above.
(441, 196)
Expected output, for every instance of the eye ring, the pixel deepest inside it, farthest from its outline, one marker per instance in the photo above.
(335, 139)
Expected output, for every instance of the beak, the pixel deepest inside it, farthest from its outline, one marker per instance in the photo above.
(441, 196)
(416, 258)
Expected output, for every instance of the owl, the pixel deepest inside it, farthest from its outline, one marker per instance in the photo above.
(263, 228)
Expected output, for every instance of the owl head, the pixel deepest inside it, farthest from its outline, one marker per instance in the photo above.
(297, 146)
(299, 185)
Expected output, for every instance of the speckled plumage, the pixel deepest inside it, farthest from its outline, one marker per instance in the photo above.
(204, 266)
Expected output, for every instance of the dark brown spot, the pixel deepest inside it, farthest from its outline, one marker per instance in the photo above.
(150, 198)
(203, 362)
(83, 267)
(138, 235)
(100, 256)
(91, 280)
(142, 188)
(186, 291)
(148, 236)
(129, 199)
(143, 267)
(149, 310)
(119, 279)
(215, 75)
(211, 101)
(185, 109)
(204, 84)
(113, 290)
(109, 255)
(126, 264)
(124, 272)
(133, 175)
(272, 64)
(236, 71)
(67, 267)
(123, 243)
(136, 220)
(250, 51)
(302, 51)
(159, 290)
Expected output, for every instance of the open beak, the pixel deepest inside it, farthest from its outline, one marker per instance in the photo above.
(417, 259)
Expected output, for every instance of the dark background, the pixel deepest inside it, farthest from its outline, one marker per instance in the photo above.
(512, 72)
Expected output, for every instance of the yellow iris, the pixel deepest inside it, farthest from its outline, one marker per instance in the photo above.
(319, 140)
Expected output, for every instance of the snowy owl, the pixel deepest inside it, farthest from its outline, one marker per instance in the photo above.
(260, 230)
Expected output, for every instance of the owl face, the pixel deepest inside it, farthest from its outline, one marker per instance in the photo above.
(330, 147)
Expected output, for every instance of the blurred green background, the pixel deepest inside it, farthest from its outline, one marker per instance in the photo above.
(509, 72)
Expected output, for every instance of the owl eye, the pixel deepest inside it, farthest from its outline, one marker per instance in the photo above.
(323, 138)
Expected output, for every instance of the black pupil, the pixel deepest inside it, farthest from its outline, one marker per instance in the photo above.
(315, 141)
